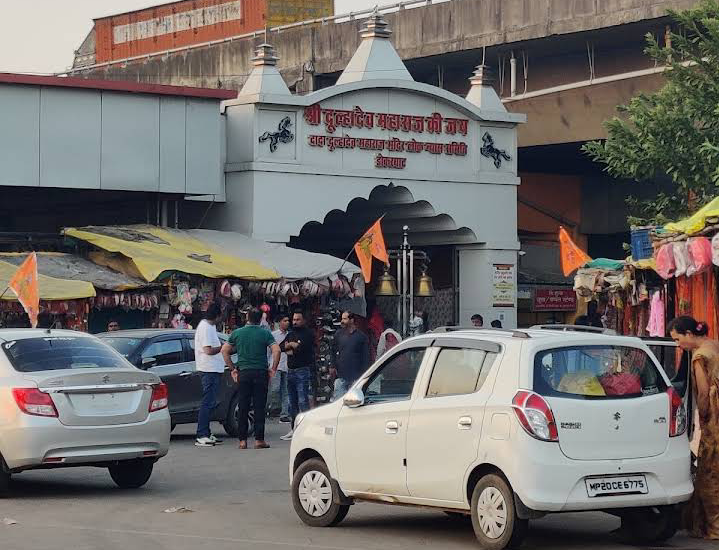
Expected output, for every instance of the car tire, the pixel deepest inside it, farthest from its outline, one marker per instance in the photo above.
(232, 424)
(313, 495)
(131, 474)
(650, 525)
(494, 516)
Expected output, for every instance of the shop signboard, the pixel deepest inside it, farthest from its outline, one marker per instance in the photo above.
(552, 299)
(504, 292)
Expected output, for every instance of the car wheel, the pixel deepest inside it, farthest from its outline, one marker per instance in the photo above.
(232, 424)
(312, 495)
(494, 517)
(650, 525)
(131, 474)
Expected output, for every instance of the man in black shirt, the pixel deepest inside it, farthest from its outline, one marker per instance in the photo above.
(299, 345)
(351, 355)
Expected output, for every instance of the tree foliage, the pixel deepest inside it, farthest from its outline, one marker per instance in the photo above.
(674, 131)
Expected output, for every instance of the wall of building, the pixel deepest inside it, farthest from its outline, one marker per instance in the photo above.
(96, 139)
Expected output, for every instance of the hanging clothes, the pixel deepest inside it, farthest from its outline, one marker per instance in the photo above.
(656, 326)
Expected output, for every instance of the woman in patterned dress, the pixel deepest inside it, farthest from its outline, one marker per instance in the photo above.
(701, 516)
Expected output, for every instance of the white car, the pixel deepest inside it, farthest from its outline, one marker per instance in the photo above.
(505, 426)
(67, 399)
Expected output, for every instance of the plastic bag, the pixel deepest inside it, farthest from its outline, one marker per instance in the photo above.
(581, 383)
(681, 259)
(665, 261)
(700, 250)
(715, 249)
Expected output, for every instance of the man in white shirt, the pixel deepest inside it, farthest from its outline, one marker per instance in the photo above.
(210, 363)
(279, 385)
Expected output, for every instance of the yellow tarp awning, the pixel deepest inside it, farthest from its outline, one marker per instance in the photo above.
(695, 223)
(154, 250)
(51, 289)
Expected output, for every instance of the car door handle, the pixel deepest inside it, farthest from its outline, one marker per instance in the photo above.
(392, 427)
(186, 373)
(464, 423)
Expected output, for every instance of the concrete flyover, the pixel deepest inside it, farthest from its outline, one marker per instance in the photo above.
(435, 39)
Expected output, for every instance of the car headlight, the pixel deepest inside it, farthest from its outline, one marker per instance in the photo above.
(298, 419)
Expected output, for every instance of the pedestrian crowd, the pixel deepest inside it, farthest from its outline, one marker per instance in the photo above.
(273, 364)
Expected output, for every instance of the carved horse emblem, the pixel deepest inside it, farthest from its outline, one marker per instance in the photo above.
(282, 135)
(490, 151)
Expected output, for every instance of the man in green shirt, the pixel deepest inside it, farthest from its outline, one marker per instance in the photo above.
(250, 343)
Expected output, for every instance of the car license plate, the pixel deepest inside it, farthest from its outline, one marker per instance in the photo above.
(96, 403)
(609, 486)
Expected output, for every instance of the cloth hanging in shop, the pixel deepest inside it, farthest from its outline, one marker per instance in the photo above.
(656, 326)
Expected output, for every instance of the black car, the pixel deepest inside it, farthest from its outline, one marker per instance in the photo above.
(170, 354)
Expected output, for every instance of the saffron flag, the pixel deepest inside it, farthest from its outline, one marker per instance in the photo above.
(25, 286)
(573, 257)
(370, 245)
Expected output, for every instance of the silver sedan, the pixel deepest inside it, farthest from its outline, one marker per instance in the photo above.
(67, 399)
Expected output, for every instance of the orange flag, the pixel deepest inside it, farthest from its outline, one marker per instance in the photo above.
(572, 256)
(25, 286)
(370, 245)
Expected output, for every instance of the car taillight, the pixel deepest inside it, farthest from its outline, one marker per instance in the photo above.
(159, 397)
(677, 414)
(535, 416)
(34, 402)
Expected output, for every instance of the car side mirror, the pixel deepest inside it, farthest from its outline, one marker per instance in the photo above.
(149, 362)
(353, 398)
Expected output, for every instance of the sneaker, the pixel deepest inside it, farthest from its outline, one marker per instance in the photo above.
(204, 442)
(287, 436)
(216, 440)
(285, 419)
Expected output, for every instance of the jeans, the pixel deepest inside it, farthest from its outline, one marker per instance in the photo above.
(252, 391)
(298, 384)
(341, 388)
(210, 389)
(277, 396)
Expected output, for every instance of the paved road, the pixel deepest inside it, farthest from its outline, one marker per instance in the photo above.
(240, 501)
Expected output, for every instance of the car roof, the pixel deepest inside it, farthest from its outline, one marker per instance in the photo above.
(10, 334)
(146, 333)
(533, 335)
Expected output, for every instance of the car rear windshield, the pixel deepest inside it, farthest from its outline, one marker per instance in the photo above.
(61, 352)
(596, 372)
(122, 344)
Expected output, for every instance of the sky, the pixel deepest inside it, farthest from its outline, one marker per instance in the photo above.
(40, 36)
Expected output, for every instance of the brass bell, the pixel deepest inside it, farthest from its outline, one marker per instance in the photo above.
(387, 285)
(424, 286)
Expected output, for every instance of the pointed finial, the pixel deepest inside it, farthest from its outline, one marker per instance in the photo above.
(376, 26)
(264, 55)
(482, 76)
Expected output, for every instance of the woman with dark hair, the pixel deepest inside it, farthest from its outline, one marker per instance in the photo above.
(702, 514)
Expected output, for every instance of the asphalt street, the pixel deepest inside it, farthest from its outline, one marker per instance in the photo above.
(240, 499)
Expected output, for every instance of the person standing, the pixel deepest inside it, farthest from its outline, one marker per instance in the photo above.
(113, 326)
(300, 348)
(283, 324)
(388, 339)
(477, 320)
(208, 361)
(496, 323)
(701, 516)
(250, 343)
(351, 357)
